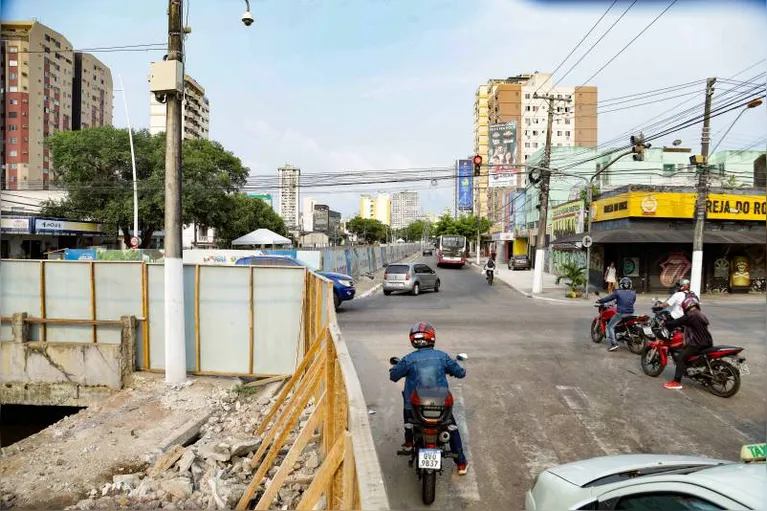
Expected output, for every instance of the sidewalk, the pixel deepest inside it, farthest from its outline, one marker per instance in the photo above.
(522, 281)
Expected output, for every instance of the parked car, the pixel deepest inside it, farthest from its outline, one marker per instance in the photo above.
(410, 277)
(651, 481)
(428, 249)
(519, 262)
(343, 285)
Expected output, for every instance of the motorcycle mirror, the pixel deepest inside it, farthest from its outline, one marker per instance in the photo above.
(462, 356)
(596, 293)
(394, 361)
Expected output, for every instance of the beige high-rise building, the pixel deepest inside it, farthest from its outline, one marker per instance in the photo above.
(195, 112)
(92, 102)
(378, 208)
(512, 100)
(43, 94)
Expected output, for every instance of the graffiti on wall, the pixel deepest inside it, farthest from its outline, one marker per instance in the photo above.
(674, 266)
(560, 257)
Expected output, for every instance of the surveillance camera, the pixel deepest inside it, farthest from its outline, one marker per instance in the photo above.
(248, 19)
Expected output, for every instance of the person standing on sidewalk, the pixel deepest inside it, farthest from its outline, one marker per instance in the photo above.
(611, 278)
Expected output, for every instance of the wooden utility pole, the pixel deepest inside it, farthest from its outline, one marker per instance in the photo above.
(696, 277)
(540, 239)
(175, 338)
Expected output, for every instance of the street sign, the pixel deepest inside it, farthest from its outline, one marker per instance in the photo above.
(135, 241)
(587, 241)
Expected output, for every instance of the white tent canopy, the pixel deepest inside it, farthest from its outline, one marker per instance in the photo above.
(262, 237)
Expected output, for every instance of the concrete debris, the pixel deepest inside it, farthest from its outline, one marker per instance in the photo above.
(214, 469)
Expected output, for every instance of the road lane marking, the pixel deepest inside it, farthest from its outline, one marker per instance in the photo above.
(465, 486)
(573, 397)
(577, 401)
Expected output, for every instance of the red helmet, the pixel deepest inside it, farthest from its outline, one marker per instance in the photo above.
(690, 302)
(422, 335)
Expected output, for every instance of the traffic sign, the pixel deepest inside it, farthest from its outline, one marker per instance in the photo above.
(587, 241)
(135, 241)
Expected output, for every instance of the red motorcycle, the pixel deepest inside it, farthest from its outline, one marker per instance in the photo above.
(709, 368)
(632, 330)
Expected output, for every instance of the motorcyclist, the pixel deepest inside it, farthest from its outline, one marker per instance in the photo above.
(625, 297)
(696, 337)
(489, 264)
(674, 302)
(427, 367)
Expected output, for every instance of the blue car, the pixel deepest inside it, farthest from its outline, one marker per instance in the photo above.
(343, 285)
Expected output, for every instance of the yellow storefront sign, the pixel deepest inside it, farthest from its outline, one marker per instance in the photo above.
(719, 206)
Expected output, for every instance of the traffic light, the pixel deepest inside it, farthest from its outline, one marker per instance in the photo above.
(477, 165)
(638, 145)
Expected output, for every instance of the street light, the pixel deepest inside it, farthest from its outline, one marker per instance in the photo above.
(751, 104)
(133, 164)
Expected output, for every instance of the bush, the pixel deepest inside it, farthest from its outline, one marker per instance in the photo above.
(574, 275)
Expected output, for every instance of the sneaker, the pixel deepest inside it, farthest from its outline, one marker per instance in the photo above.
(613, 347)
(673, 385)
(407, 447)
(463, 468)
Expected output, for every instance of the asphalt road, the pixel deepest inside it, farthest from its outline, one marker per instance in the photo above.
(538, 392)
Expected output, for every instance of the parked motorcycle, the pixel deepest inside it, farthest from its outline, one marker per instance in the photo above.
(432, 425)
(714, 368)
(633, 330)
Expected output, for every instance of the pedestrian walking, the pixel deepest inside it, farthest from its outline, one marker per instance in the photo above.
(611, 278)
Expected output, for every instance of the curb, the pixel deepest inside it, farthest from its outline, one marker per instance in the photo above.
(369, 291)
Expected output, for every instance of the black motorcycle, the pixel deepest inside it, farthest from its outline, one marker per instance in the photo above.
(432, 424)
(489, 274)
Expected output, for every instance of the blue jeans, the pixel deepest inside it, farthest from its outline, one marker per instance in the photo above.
(611, 328)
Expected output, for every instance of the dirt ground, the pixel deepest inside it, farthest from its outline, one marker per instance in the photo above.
(61, 464)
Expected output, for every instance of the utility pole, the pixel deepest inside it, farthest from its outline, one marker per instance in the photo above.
(696, 277)
(175, 335)
(540, 239)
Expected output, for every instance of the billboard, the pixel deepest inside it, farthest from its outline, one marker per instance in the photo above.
(465, 185)
(321, 218)
(264, 197)
(568, 218)
(502, 155)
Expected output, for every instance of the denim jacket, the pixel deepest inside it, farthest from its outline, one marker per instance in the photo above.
(426, 367)
(625, 299)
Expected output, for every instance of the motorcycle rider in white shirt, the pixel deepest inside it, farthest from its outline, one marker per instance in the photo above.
(674, 303)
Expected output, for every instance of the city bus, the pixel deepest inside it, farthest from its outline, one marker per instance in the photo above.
(451, 251)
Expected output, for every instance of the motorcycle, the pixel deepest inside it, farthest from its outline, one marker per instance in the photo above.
(489, 274)
(432, 425)
(633, 330)
(710, 368)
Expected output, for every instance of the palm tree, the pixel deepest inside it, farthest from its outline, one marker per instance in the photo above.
(575, 276)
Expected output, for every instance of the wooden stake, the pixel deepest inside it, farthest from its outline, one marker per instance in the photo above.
(324, 476)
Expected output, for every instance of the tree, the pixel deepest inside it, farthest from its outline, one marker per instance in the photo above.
(369, 230)
(246, 214)
(575, 276)
(94, 167)
(414, 231)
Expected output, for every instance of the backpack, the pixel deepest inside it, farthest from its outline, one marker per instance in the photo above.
(490, 263)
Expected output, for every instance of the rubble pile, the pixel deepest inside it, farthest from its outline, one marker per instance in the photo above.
(214, 471)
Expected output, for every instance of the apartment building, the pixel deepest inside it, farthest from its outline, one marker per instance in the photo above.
(378, 207)
(92, 101)
(288, 181)
(513, 100)
(43, 93)
(405, 209)
(195, 112)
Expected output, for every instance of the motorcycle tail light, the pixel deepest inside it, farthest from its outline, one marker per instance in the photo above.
(414, 399)
(449, 399)
(429, 431)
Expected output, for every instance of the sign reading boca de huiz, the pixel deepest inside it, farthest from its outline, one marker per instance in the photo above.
(567, 218)
(642, 204)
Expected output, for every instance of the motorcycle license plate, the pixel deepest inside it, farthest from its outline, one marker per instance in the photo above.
(430, 458)
(647, 330)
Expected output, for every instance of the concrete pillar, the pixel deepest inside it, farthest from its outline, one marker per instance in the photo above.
(20, 327)
(128, 347)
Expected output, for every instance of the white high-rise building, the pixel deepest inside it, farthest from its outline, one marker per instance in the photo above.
(405, 209)
(288, 178)
(195, 117)
(307, 214)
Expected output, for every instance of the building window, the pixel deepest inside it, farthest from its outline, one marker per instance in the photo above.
(527, 144)
(527, 108)
(13, 140)
(13, 153)
(13, 165)
(13, 63)
(13, 115)
(12, 127)
(559, 133)
(13, 101)
(526, 157)
(527, 122)
(535, 145)
(567, 134)
(567, 121)
(13, 49)
(527, 96)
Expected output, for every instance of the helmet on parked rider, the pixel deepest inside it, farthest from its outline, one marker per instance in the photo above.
(422, 335)
(690, 302)
(626, 283)
(682, 285)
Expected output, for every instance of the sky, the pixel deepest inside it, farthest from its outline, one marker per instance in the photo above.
(340, 85)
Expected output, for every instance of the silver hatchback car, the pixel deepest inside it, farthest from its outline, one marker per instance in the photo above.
(410, 277)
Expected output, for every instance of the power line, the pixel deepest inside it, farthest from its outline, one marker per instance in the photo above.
(100, 49)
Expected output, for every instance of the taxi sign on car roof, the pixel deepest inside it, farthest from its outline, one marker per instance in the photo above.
(753, 452)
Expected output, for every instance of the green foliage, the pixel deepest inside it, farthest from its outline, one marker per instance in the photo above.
(574, 273)
(94, 166)
(246, 214)
(464, 226)
(413, 232)
(368, 230)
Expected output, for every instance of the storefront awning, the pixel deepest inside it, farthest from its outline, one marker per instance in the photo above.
(750, 237)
